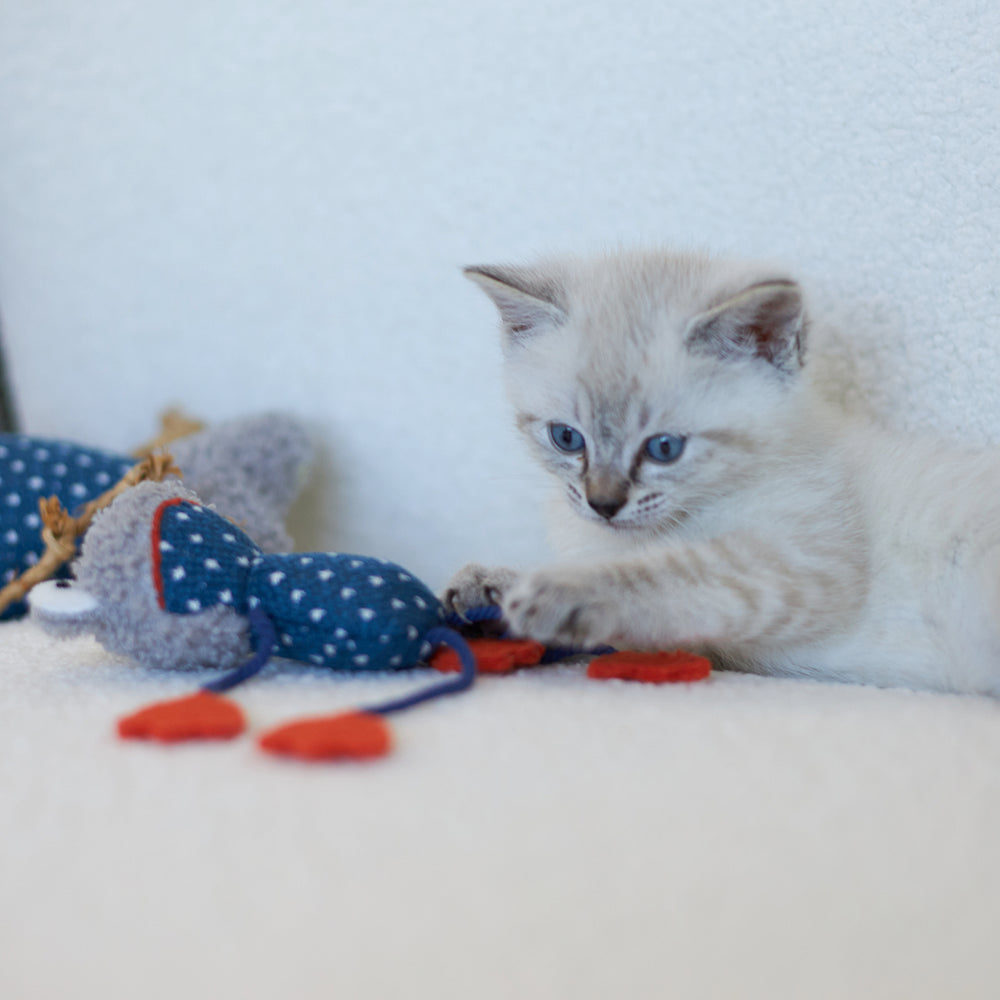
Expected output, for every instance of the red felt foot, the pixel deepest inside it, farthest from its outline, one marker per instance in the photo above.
(651, 668)
(201, 716)
(355, 735)
(493, 656)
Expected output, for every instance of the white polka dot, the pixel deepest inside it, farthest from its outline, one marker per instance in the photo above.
(297, 595)
(385, 639)
(376, 581)
(347, 593)
(13, 500)
(242, 561)
(102, 479)
(276, 577)
(182, 516)
(9, 575)
(316, 658)
(254, 602)
(395, 661)
(228, 536)
(425, 650)
(340, 633)
(361, 659)
(366, 614)
(325, 574)
(78, 490)
(286, 639)
(226, 596)
(398, 604)
(351, 645)
(31, 558)
(36, 483)
(165, 546)
(420, 603)
(17, 465)
(317, 614)
(177, 573)
(196, 538)
(211, 564)
(33, 521)
(405, 577)
(40, 453)
(85, 460)
(411, 632)
(356, 563)
(305, 561)
(11, 537)
(59, 469)
(330, 649)
(194, 605)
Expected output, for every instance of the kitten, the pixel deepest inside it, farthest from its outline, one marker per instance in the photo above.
(710, 499)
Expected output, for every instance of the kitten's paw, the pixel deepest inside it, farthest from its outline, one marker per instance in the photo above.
(561, 607)
(475, 586)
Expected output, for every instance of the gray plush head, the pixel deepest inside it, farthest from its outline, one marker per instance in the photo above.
(114, 598)
(251, 468)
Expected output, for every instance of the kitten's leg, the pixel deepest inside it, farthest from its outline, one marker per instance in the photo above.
(475, 585)
(733, 591)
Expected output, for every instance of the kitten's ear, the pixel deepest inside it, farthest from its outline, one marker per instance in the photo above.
(527, 302)
(765, 321)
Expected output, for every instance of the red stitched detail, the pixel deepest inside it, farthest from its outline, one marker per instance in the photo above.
(157, 556)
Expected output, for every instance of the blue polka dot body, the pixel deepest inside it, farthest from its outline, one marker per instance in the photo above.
(346, 612)
(34, 468)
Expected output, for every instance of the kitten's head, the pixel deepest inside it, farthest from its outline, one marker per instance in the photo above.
(649, 383)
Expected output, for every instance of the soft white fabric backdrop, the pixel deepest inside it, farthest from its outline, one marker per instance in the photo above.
(237, 205)
(240, 204)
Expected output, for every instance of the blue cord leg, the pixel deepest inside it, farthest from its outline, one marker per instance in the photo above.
(264, 640)
(436, 637)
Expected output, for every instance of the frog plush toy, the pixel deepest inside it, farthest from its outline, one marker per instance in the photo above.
(169, 582)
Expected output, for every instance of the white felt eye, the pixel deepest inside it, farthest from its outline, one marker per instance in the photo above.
(62, 599)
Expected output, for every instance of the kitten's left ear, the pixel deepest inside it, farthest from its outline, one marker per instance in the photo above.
(765, 321)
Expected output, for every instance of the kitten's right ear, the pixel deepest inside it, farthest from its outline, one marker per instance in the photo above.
(527, 302)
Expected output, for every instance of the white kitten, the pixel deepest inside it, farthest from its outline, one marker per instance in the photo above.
(710, 498)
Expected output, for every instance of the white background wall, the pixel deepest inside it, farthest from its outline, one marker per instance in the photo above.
(241, 204)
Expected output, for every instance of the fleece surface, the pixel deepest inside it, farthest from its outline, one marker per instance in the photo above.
(543, 836)
(248, 205)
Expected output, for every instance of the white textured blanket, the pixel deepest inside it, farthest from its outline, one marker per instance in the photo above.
(246, 205)
(544, 835)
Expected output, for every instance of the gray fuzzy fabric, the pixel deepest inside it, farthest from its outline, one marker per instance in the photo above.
(115, 567)
(251, 469)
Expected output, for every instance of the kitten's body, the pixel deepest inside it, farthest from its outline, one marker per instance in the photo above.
(784, 537)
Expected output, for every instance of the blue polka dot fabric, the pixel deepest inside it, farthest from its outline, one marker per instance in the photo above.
(35, 468)
(341, 611)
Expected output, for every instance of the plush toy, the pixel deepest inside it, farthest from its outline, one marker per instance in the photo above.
(169, 582)
(250, 468)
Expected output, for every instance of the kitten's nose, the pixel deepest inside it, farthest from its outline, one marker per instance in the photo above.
(606, 507)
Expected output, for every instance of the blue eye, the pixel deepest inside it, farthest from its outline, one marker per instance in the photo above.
(665, 448)
(566, 438)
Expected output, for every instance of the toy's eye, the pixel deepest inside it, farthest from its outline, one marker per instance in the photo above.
(566, 438)
(665, 448)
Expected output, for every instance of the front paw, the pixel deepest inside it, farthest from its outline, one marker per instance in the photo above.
(562, 608)
(475, 586)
